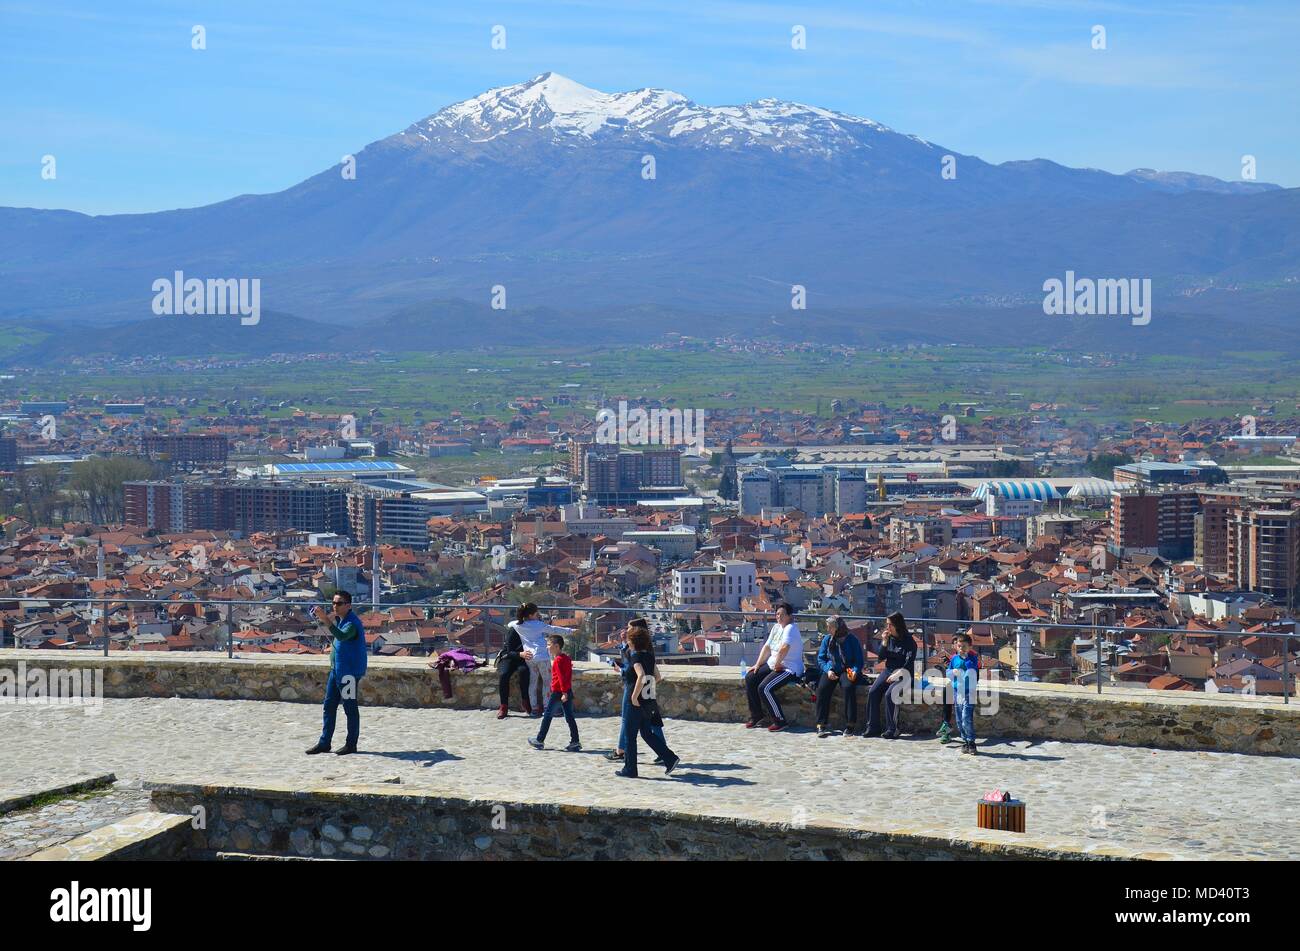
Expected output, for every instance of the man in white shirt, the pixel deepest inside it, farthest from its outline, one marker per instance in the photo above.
(779, 662)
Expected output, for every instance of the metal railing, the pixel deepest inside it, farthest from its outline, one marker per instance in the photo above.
(498, 614)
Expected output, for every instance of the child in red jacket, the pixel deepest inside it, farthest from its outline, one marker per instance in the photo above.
(561, 696)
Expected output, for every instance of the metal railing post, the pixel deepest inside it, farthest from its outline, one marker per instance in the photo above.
(103, 623)
(1096, 644)
(230, 631)
(925, 647)
(1286, 670)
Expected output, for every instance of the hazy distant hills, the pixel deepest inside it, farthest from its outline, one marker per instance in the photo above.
(539, 188)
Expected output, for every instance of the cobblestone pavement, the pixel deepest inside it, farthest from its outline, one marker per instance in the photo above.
(29, 830)
(1188, 802)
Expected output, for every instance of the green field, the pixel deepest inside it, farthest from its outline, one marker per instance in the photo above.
(1003, 381)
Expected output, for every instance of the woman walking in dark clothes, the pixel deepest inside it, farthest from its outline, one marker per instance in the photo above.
(640, 673)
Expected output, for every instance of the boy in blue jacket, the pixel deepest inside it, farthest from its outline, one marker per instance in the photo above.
(840, 658)
(347, 667)
(964, 672)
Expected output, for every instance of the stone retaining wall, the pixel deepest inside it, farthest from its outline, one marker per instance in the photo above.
(383, 822)
(145, 836)
(1133, 717)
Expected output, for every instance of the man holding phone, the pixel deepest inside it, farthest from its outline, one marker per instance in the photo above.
(347, 667)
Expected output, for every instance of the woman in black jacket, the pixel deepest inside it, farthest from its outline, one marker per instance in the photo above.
(511, 659)
(637, 715)
(898, 651)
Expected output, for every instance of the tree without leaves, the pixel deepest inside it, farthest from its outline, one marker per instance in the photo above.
(98, 483)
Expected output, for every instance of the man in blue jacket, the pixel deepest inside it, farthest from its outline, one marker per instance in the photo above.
(840, 657)
(347, 667)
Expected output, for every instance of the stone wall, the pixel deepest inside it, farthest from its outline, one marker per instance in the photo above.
(1135, 717)
(383, 822)
(145, 836)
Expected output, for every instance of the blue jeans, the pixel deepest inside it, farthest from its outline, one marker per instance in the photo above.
(637, 723)
(333, 697)
(626, 706)
(965, 719)
(553, 704)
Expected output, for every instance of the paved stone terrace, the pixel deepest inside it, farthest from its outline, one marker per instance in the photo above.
(1191, 803)
(30, 830)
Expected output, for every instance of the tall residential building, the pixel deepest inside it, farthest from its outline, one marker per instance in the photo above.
(8, 454)
(393, 510)
(187, 450)
(1211, 548)
(1162, 522)
(611, 475)
(174, 506)
(814, 490)
(255, 506)
(577, 468)
(1263, 551)
(243, 506)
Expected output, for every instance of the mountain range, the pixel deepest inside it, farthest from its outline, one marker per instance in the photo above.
(605, 216)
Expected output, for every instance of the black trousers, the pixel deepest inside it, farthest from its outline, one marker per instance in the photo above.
(508, 667)
(636, 723)
(826, 693)
(880, 691)
(760, 689)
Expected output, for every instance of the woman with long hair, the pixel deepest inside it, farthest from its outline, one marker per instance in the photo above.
(510, 661)
(898, 651)
(625, 662)
(533, 631)
(643, 707)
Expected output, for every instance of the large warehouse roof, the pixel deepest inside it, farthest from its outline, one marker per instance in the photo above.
(1092, 489)
(1018, 489)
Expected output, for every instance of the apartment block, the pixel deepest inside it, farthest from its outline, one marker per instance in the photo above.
(187, 451)
(1211, 546)
(725, 583)
(1263, 552)
(1161, 522)
(398, 511)
(907, 530)
(815, 490)
(612, 475)
(242, 506)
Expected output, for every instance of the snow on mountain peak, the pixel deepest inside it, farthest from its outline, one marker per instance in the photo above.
(554, 105)
(554, 102)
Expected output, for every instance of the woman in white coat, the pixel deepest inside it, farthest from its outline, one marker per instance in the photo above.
(532, 631)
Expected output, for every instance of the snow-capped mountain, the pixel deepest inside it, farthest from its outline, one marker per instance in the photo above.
(565, 111)
(541, 188)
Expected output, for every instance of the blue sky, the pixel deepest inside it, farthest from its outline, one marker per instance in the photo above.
(139, 121)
